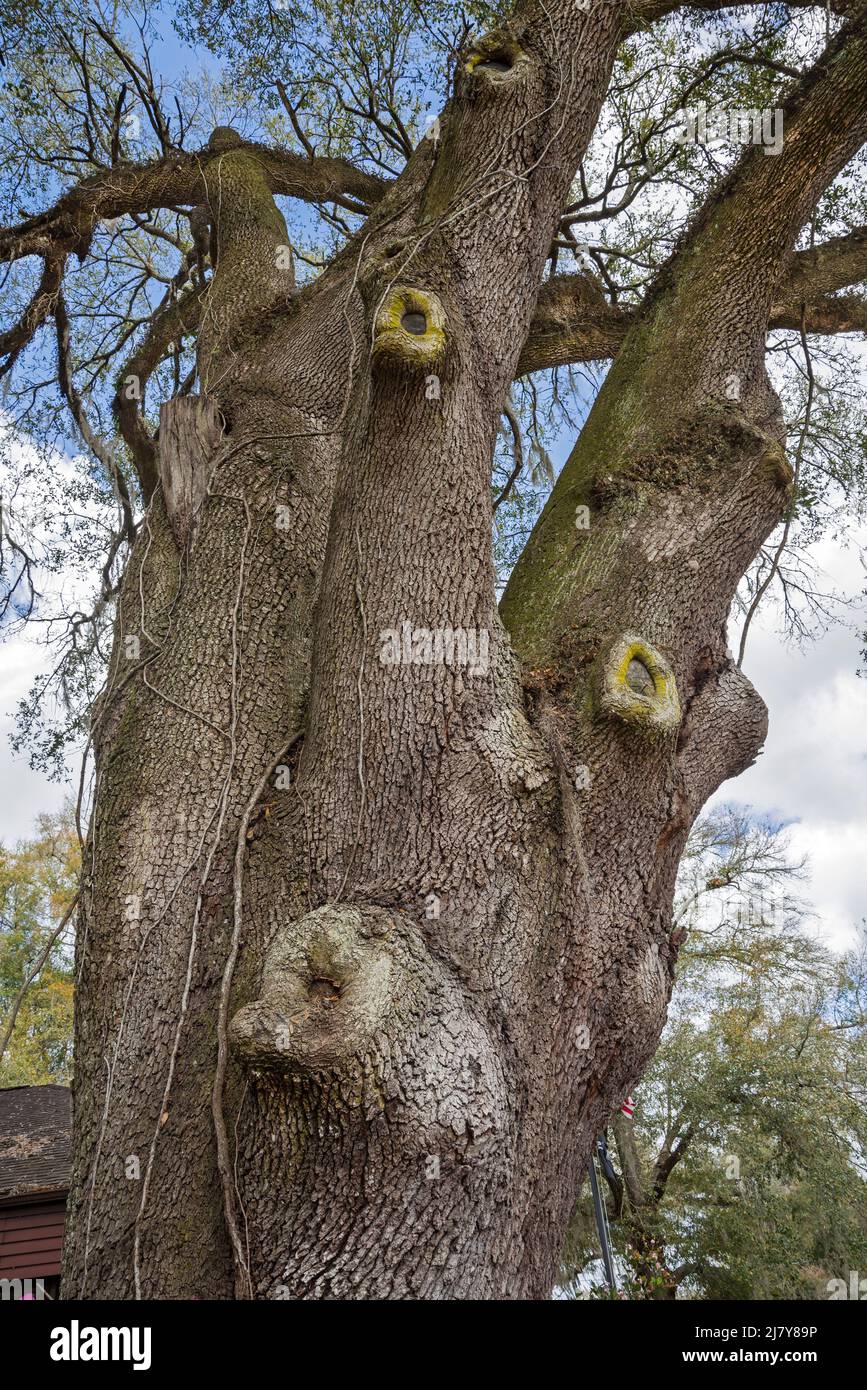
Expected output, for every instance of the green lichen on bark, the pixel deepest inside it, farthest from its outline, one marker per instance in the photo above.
(409, 329)
(623, 462)
(497, 58)
(634, 683)
(694, 447)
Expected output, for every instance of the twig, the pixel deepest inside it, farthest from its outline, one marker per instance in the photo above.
(517, 453)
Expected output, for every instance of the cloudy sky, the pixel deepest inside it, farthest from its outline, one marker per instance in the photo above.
(813, 772)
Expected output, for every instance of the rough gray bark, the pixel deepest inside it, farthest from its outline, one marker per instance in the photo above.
(370, 950)
(190, 432)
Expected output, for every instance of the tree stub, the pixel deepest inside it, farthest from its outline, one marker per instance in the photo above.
(190, 430)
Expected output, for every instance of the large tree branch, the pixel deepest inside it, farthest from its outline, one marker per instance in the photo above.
(640, 14)
(809, 276)
(202, 179)
(462, 260)
(574, 322)
(179, 179)
(41, 306)
(696, 351)
(835, 314)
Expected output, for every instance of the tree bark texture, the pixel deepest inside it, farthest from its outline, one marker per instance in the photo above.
(370, 948)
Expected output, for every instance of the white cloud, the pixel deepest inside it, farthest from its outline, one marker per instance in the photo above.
(814, 767)
(25, 793)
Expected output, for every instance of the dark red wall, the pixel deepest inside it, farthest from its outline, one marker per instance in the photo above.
(31, 1236)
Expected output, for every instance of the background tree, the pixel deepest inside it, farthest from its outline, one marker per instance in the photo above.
(427, 901)
(38, 883)
(741, 1174)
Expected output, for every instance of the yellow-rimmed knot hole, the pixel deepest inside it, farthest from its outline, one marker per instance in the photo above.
(410, 327)
(497, 56)
(642, 672)
(638, 678)
(635, 683)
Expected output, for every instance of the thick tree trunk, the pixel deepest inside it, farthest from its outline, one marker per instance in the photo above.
(376, 927)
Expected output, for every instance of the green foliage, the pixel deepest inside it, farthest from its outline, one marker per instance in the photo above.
(366, 80)
(760, 1081)
(38, 879)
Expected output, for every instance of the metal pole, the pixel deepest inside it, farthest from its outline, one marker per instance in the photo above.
(602, 1225)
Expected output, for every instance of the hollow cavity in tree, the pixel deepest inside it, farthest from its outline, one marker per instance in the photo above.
(635, 683)
(409, 328)
(638, 678)
(497, 57)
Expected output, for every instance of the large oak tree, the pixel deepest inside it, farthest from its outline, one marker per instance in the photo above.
(375, 917)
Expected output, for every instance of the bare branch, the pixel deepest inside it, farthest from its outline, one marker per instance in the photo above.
(41, 306)
(32, 974)
(293, 117)
(97, 445)
(176, 318)
(517, 453)
(178, 179)
(773, 570)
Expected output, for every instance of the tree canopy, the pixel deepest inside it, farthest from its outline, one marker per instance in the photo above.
(741, 1175)
(38, 886)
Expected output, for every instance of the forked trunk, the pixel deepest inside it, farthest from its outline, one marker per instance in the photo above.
(376, 923)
